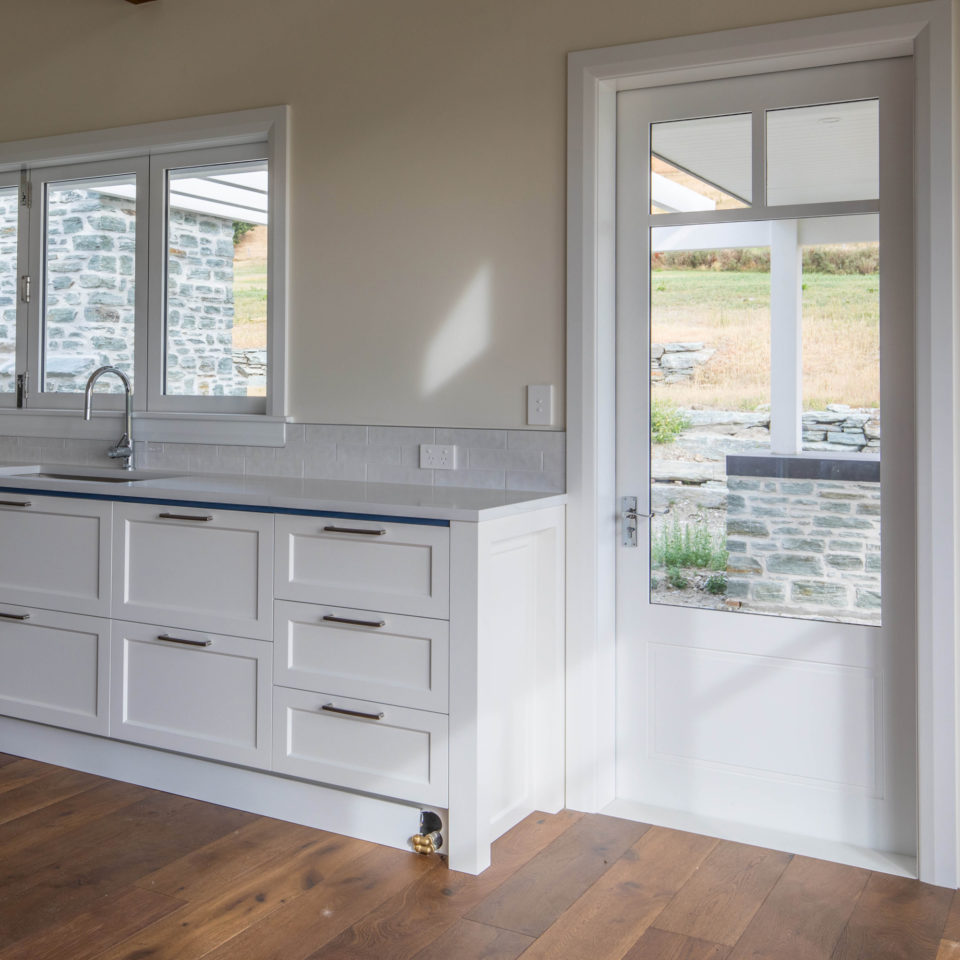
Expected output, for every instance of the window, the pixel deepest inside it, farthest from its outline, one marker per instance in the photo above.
(162, 264)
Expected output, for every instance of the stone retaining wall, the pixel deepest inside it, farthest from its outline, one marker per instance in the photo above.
(676, 362)
(804, 547)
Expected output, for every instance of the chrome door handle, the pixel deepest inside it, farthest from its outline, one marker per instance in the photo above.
(356, 623)
(330, 708)
(359, 530)
(184, 640)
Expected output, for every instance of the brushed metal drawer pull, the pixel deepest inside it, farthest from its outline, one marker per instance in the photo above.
(357, 623)
(15, 616)
(183, 516)
(15, 503)
(184, 640)
(366, 533)
(330, 708)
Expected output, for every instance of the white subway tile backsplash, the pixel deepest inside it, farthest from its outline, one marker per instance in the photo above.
(490, 459)
(465, 437)
(484, 458)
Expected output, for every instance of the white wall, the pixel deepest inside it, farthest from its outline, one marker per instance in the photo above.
(428, 180)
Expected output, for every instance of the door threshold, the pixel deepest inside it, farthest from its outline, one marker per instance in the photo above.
(899, 865)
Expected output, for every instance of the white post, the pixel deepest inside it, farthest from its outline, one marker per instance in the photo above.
(786, 354)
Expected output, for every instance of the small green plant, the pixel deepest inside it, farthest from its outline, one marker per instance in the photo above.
(676, 579)
(688, 545)
(717, 584)
(240, 227)
(666, 421)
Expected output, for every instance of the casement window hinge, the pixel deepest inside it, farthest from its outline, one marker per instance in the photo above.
(26, 191)
(25, 284)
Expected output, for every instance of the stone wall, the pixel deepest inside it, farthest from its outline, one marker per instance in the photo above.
(807, 547)
(676, 362)
(90, 294)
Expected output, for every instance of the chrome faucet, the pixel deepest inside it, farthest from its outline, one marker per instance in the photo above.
(123, 449)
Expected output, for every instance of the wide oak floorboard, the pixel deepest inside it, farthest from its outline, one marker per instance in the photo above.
(99, 870)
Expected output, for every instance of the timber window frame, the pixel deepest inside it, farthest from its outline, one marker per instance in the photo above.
(149, 151)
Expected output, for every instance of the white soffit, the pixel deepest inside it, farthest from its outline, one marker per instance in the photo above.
(815, 154)
(232, 196)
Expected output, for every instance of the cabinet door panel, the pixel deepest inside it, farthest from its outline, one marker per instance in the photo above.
(401, 755)
(205, 574)
(368, 564)
(56, 553)
(55, 668)
(209, 700)
(378, 656)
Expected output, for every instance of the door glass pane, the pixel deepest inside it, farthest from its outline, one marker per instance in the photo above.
(9, 211)
(701, 164)
(216, 275)
(88, 281)
(742, 521)
(829, 152)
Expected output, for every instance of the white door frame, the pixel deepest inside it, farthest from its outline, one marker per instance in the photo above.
(927, 32)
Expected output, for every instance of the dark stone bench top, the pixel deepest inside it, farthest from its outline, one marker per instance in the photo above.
(861, 468)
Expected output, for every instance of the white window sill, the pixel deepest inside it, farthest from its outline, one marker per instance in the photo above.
(229, 429)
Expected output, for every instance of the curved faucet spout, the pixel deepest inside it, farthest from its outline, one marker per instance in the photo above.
(124, 447)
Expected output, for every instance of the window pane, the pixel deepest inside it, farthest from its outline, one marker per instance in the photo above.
(9, 210)
(88, 288)
(739, 524)
(830, 152)
(216, 274)
(702, 164)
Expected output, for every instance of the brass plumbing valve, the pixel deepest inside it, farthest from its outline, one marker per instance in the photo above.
(429, 839)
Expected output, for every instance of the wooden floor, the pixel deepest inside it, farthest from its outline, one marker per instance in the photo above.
(92, 868)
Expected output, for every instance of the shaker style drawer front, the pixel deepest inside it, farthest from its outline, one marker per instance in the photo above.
(373, 747)
(197, 693)
(56, 553)
(194, 568)
(54, 668)
(366, 564)
(361, 653)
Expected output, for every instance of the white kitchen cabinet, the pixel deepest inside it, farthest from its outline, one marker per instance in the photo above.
(367, 564)
(418, 662)
(365, 654)
(55, 553)
(373, 747)
(54, 668)
(194, 568)
(198, 693)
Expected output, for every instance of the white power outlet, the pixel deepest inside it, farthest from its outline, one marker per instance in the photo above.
(438, 456)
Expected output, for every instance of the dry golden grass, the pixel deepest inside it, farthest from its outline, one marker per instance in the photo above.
(730, 312)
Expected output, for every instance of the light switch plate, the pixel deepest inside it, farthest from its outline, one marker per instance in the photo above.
(540, 404)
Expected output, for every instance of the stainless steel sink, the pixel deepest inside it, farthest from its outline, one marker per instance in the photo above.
(114, 476)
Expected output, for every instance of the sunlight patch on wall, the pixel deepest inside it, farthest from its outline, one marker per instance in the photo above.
(463, 337)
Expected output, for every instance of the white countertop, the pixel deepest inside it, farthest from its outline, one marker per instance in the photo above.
(386, 499)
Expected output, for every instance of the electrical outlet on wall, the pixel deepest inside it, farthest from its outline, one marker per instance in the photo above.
(438, 456)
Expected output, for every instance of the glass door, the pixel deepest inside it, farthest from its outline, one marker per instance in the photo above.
(765, 621)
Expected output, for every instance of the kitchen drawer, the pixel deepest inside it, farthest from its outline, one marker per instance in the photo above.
(402, 755)
(55, 668)
(366, 564)
(194, 568)
(375, 656)
(197, 693)
(56, 553)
